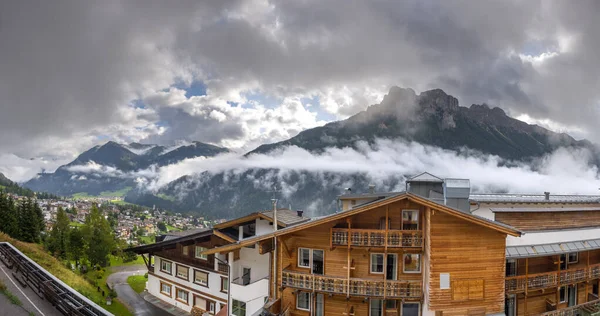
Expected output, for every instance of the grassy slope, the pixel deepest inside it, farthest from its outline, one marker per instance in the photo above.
(119, 193)
(36, 253)
(137, 282)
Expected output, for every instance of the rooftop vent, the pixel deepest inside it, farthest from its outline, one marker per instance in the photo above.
(547, 196)
(300, 213)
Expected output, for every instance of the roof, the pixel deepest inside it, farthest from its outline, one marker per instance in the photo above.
(285, 217)
(515, 252)
(424, 177)
(543, 209)
(191, 235)
(504, 228)
(533, 198)
(367, 195)
(458, 183)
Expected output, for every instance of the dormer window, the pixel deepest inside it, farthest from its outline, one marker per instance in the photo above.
(410, 219)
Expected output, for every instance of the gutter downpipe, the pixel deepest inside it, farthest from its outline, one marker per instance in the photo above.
(229, 307)
(274, 201)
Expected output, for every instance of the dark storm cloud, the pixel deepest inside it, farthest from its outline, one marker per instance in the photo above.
(68, 68)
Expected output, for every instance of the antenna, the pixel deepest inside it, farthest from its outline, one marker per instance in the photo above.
(274, 201)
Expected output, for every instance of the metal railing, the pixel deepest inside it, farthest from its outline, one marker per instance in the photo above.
(376, 237)
(45, 285)
(356, 287)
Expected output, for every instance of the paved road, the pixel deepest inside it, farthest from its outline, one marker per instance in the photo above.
(31, 302)
(135, 302)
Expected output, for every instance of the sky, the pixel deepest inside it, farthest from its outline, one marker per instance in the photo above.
(74, 74)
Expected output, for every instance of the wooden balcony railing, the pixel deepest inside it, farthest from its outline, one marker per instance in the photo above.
(538, 281)
(376, 237)
(590, 308)
(221, 267)
(358, 287)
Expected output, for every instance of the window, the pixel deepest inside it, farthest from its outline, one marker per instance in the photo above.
(410, 219)
(303, 301)
(468, 289)
(563, 294)
(412, 263)
(201, 277)
(238, 308)
(199, 254)
(165, 289)
(573, 257)
(185, 250)
(211, 307)
(182, 272)
(377, 263)
(376, 308)
(410, 309)
(511, 267)
(165, 266)
(182, 296)
(224, 284)
(564, 264)
(510, 306)
(313, 259)
(303, 257)
(595, 288)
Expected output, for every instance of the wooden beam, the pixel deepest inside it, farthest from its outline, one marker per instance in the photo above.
(587, 271)
(288, 253)
(349, 221)
(526, 281)
(558, 282)
(223, 236)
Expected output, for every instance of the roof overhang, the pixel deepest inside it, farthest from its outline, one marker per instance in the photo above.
(246, 219)
(171, 243)
(502, 228)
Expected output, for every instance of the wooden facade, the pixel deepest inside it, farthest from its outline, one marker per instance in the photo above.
(540, 221)
(348, 283)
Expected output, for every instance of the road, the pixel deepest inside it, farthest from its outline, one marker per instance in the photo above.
(134, 301)
(31, 302)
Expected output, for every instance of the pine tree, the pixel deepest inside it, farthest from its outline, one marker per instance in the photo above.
(59, 235)
(30, 220)
(98, 238)
(76, 245)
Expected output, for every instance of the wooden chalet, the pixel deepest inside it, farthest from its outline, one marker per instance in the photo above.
(388, 254)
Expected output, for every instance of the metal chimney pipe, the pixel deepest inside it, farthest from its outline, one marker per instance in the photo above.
(547, 196)
(371, 188)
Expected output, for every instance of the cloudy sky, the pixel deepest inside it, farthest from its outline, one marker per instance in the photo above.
(74, 74)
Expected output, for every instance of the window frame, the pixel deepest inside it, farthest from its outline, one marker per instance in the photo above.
(371, 263)
(187, 295)
(210, 304)
(420, 263)
(402, 306)
(576, 257)
(382, 302)
(187, 274)
(185, 250)
(224, 281)
(200, 256)
(207, 277)
(233, 306)
(512, 261)
(298, 300)
(418, 218)
(309, 258)
(170, 293)
(170, 271)
(562, 291)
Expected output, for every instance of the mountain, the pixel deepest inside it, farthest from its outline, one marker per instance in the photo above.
(110, 169)
(431, 118)
(9, 186)
(435, 118)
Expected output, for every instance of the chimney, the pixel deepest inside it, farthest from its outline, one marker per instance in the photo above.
(371, 188)
(300, 213)
(547, 196)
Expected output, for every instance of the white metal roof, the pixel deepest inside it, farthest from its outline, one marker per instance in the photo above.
(536, 198)
(425, 177)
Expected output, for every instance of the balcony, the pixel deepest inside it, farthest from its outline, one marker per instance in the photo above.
(589, 308)
(249, 292)
(538, 281)
(376, 238)
(357, 287)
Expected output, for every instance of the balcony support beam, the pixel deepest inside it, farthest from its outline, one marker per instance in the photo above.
(349, 220)
(526, 282)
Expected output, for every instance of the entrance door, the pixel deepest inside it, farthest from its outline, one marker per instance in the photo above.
(319, 305)
(572, 295)
(317, 261)
(246, 276)
(391, 267)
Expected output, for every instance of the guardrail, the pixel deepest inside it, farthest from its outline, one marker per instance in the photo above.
(64, 298)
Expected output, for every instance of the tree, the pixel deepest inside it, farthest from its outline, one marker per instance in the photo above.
(9, 223)
(76, 245)
(31, 221)
(59, 235)
(161, 226)
(98, 238)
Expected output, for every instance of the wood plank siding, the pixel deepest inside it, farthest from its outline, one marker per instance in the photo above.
(466, 252)
(537, 221)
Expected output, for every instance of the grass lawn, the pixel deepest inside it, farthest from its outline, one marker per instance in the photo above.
(37, 253)
(121, 202)
(147, 239)
(137, 282)
(75, 224)
(166, 197)
(118, 261)
(82, 195)
(172, 228)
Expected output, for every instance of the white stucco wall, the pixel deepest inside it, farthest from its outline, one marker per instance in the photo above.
(553, 237)
(213, 289)
(263, 227)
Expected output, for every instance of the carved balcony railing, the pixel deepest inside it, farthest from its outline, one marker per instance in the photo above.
(376, 238)
(538, 281)
(590, 308)
(356, 287)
